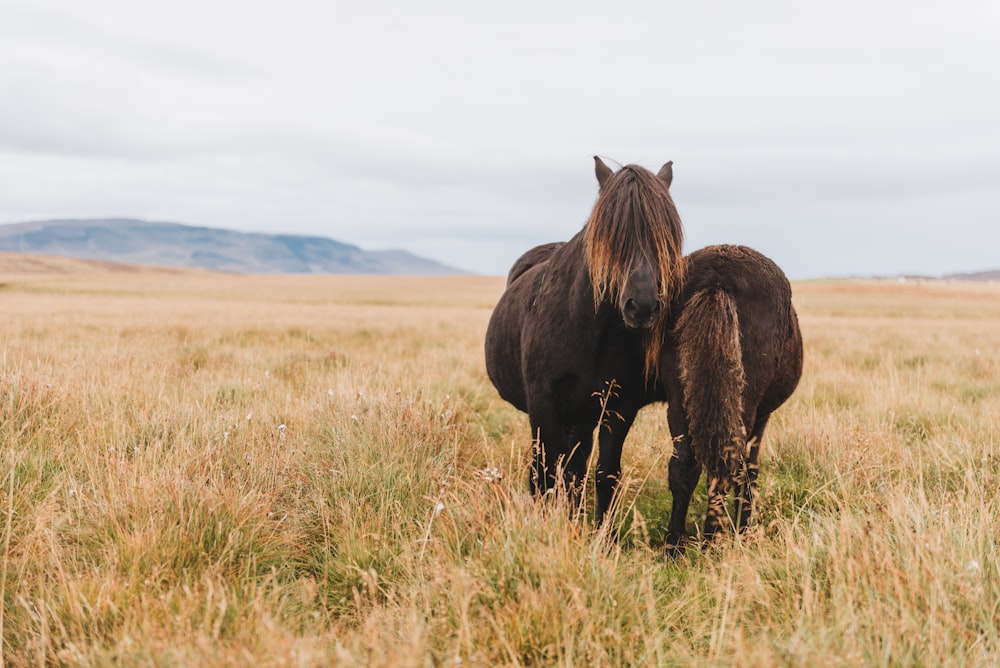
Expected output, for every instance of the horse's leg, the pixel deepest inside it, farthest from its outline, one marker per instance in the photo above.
(747, 489)
(684, 471)
(727, 466)
(580, 440)
(549, 449)
(726, 462)
(537, 481)
(611, 438)
(545, 457)
(719, 484)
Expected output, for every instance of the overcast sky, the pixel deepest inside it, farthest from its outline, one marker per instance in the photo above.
(843, 138)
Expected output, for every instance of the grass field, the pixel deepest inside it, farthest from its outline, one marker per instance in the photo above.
(203, 469)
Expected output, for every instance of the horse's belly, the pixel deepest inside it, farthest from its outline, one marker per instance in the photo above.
(503, 358)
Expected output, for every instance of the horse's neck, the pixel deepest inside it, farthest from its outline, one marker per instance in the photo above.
(569, 279)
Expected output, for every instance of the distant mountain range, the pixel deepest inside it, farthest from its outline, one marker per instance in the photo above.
(176, 245)
(993, 275)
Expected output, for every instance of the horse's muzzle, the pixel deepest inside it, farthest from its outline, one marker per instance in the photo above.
(640, 314)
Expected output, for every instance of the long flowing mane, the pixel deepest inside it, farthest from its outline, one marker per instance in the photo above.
(633, 221)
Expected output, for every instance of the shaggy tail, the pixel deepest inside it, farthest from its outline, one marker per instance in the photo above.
(707, 336)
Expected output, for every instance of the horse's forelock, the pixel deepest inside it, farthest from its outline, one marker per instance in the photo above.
(633, 221)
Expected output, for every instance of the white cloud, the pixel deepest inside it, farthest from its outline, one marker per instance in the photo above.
(466, 132)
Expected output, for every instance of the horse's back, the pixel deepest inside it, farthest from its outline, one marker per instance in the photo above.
(533, 257)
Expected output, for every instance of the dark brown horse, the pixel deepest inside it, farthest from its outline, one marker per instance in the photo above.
(732, 356)
(575, 336)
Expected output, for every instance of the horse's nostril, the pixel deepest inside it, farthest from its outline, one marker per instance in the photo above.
(640, 312)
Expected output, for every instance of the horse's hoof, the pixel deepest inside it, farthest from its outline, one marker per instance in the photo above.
(675, 546)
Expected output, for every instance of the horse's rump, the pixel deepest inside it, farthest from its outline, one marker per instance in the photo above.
(710, 357)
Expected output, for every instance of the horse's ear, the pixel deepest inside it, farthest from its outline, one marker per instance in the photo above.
(666, 173)
(603, 171)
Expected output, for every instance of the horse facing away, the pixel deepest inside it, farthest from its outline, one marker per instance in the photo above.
(733, 356)
(575, 335)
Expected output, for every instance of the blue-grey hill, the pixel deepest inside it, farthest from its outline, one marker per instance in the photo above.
(176, 245)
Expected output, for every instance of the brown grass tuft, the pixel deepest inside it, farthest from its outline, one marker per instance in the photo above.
(315, 470)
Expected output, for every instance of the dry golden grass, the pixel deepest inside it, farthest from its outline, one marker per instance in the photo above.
(235, 470)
